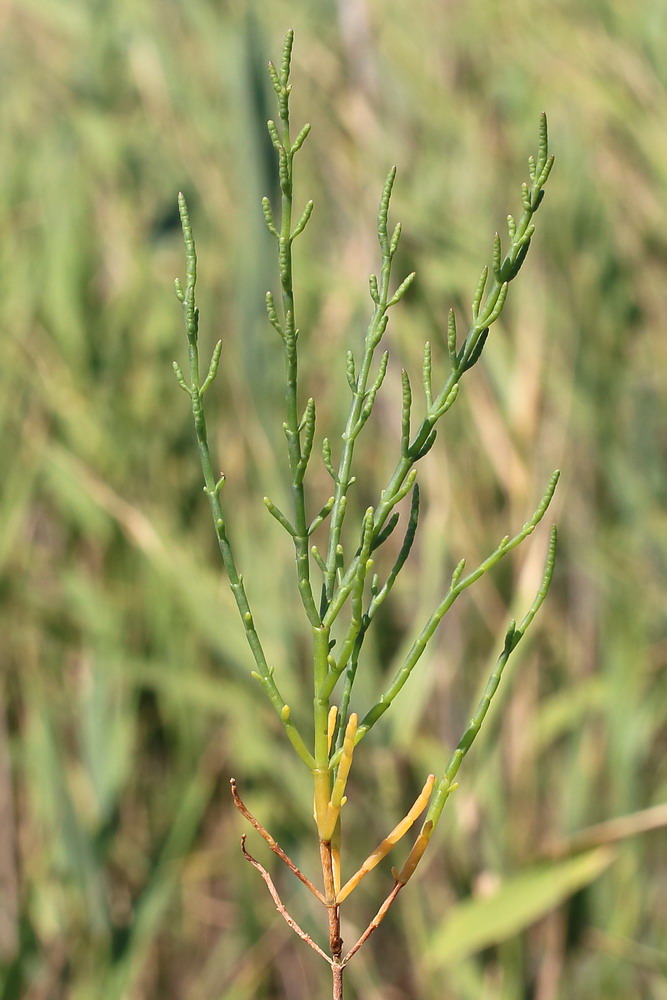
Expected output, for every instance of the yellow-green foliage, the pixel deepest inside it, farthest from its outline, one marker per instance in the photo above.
(124, 678)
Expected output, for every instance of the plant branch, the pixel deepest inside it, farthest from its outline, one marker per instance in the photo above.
(280, 906)
(458, 585)
(375, 922)
(512, 638)
(298, 451)
(389, 841)
(212, 486)
(363, 398)
(275, 847)
(484, 314)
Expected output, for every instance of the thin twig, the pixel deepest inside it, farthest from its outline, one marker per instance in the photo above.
(375, 922)
(280, 906)
(276, 848)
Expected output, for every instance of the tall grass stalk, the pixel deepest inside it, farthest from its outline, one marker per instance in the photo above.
(337, 586)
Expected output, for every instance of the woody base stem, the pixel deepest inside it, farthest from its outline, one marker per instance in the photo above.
(337, 993)
(335, 940)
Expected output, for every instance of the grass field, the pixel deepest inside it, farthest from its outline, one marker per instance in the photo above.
(127, 701)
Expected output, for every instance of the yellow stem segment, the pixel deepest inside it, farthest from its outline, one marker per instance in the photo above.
(415, 855)
(331, 725)
(390, 841)
(327, 824)
(335, 856)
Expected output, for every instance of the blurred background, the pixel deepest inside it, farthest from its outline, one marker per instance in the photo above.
(127, 701)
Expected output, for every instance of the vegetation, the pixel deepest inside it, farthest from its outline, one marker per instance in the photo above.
(347, 588)
(127, 700)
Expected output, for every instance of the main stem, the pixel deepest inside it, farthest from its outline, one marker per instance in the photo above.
(335, 940)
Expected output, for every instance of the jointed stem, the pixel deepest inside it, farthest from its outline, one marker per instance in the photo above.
(360, 398)
(512, 638)
(389, 841)
(212, 485)
(321, 770)
(484, 315)
(337, 730)
(298, 456)
(458, 585)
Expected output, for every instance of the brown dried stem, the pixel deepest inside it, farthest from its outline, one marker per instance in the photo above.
(335, 940)
(375, 922)
(280, 906)
(276, 848)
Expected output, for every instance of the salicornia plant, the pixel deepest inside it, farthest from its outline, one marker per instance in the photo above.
(341, 594)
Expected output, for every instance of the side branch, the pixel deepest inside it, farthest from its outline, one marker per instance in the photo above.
(298, 450)
(275, 847)
(485, 311)
(375, 922)
(400, 879)
(280, 906)
(512, 638)
(213, 484)
(389, 841)
(457, 586)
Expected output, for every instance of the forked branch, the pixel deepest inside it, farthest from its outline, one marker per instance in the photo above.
(345, 583)
(275, 847)
(280, 906)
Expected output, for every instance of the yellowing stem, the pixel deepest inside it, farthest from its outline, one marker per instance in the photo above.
(331, 725)
(327, 821)
(389, 841)
(415, 855)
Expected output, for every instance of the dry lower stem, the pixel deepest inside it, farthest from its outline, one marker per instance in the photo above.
(275, 847)
(336, 961)
(335, 940)
(280, 906)
(375, 922)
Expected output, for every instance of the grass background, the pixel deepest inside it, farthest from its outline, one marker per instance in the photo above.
(126, 697)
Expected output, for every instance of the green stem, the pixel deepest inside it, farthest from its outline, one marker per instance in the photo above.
(459, 584)
(298, 456)
(470, 349)
(290, 336)
(512, 639)
(212, 489)
(374, 334)
(321, 772)
(350, 676)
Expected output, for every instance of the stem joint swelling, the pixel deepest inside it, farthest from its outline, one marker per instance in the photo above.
(341, 568)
